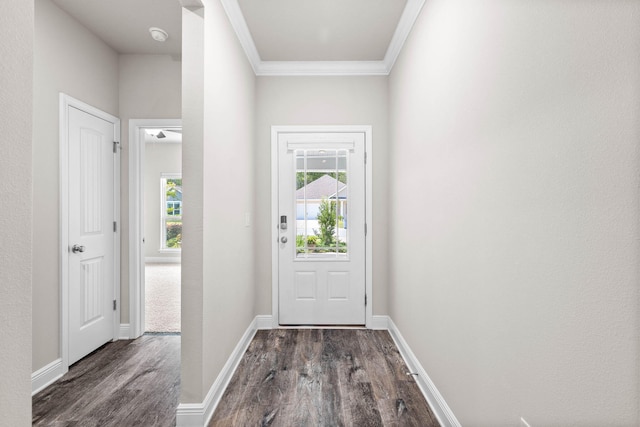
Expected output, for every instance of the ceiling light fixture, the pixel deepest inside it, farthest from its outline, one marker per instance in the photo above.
(156, 133)
(158, 34)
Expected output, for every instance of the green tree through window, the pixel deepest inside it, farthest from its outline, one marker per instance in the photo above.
(171, 212)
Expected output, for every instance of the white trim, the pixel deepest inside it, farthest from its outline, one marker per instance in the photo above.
(164, 176)
(294, 144)
(234, 13)
(264, 321)
(124, 331)
(369, 223)
(162, 260)
(367, 130)
(169, 251)
(64, 231)
(323, 68)
(274, 230)
(199, 414)
(379, 323)
(47, 375)
(65, 102)
(432, 395)
(136, 219)
(117, 235)
(405, 24)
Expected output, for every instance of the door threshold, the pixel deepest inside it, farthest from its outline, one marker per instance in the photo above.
(322, 326)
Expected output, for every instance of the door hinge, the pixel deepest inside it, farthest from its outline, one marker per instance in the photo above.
(365, 228)
(365, 157)
(365, 300)
(115, 147)
(115, 226)
(115, 304)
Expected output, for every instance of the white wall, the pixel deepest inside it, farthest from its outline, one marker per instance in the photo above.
(70, 59)
(191, 378)
(149, 87)
(321, 101)
(229, 106)
(218, 282)
(16, 90)
(160, 158)
(514, 240)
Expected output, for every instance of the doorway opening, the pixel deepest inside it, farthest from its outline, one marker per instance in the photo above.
(162, 229)
(155, 209)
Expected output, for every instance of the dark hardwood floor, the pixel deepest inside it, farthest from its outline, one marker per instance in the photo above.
(124, 383)
(322, 377)
(287, 377)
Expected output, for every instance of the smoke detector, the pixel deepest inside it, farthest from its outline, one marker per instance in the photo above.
(158, 34)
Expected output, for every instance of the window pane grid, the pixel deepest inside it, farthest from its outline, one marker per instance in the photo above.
(321, 204)
(171, 212)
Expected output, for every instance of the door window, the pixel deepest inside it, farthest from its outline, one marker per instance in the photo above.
(322, 197)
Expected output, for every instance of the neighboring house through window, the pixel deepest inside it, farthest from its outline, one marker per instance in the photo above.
(170, 212)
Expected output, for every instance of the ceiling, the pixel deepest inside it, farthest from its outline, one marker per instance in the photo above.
(322, 30)
(124, 24)
(280, 37)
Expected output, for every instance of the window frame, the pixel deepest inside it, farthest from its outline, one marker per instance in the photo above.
(164, 176)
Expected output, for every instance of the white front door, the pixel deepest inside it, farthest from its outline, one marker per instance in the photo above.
(321, 238)
(91, 232)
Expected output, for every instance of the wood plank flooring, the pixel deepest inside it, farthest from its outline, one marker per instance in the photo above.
(287, 377)
(322, 377)
(124, 383)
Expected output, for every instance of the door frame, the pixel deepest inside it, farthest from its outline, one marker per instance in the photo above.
(275, 132)
(136, 217)
(66, 102)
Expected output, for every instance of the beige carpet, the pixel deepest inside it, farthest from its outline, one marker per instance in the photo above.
(162, 298)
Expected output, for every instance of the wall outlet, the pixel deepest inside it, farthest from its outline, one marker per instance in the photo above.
(523, 423)
(247, 219)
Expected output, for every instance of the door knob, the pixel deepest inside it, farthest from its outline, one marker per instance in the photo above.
(283, 239)
(77, 248)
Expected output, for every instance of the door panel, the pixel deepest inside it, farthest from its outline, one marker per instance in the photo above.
(321, 255)
(91, 263)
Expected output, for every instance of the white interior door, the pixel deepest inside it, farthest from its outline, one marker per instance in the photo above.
(321, 249)
(90, 232)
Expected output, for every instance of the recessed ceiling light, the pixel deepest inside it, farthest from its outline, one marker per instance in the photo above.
(158, 34)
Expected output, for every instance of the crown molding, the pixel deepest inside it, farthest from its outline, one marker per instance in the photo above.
(405, 24)
(232, 8)
(323, 68)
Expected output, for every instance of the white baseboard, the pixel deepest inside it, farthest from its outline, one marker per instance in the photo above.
(125, 332)
(163, 260)
(46, 376)
(379, 323)
(264, 321)
(428, 388)
(199, 414)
